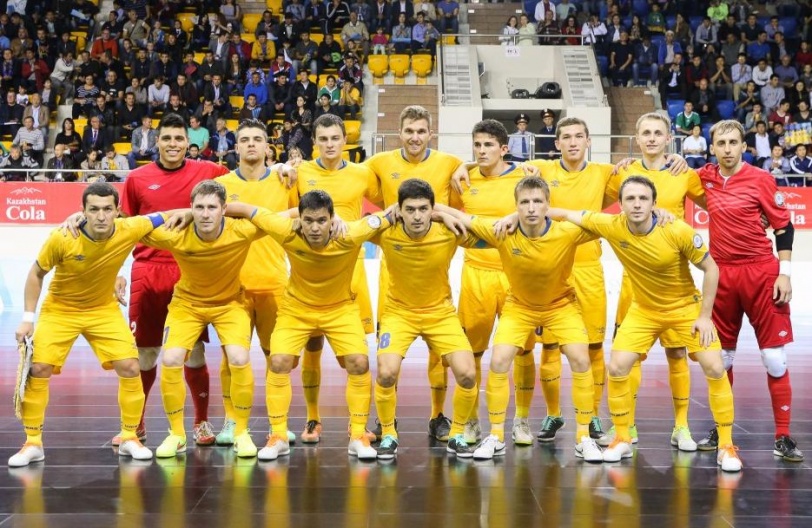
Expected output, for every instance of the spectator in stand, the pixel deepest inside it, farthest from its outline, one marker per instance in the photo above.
(672, 81)
(306, 89)
(741, 74)
(565, 9)
(16, 160)
(753, 117)
(281, 96)
(687, 119)
(772, 28)
(731, 49)
(420, 39)
(720, 80)
(138, 91)
(337, 14)
(777, 136)
(800, 164)
(594, 31)
(136, 29)
(548, 30)
(104, 43)
(22, 43)
(239, 47)
(694, 72)
(759, 49)
(198, 134)
(325, 107)
(381, 16)
(729, 27)
(95, 138)
(717, 12)
(30, 140)
(61, 161)
(62, 77)
(542, 7)
(760, 144)
(402, 6)
(804, 56)
(85, 97)
(65, 45)
(174, 106)
(129, 116)
(620, 60)
(772, 94)
(682, 31)
(762, 74)
(330, 55)
(297, 11)
(786, 72)
(750, 30)
(351, 73)
(796, 94)
(163, 67)
(448, 11)
(298, 139)
(668, 50)
(91, 163)
(613, 30)
(695, 148)
(218, 93)
(705, 101)
(257, 89)
(144, 143)
(263, 50)
(10, 69)
(705, 35)
(349, 101)
(402, 35)
(637, 30)
(570, 28)
(34, 72)
(71, 139)
(331, 89)
(40, 113)
(157, 96)
(282, 68)
(112, 88)
(778, 166)
(803, 115)
(223, 145)
(380, 42)
(305, 53)
(252, 110)
(655, 21)
(781, 114)
(746, 100)
(115, 163)
(364, 12)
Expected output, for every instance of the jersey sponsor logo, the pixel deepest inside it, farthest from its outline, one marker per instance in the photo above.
(395, 175)
(782, 333)
(555, 183)
(698, 241)
(780, 199)
(154, 187)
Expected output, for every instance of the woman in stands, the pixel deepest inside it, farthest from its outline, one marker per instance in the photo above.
(69, 137)
(510, 31)
(570, 27)
(235, 76)
(527, 32)
(682, 31)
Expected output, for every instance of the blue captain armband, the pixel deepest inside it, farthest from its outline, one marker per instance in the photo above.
(157, 220)
(253, 213)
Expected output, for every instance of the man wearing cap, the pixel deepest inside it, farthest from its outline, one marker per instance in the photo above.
(521, 141)
(545, 146)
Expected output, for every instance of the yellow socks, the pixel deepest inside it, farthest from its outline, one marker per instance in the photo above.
(550, 376)
(720, 397)
(311, 382)
(359, 387)
(635, 379)
(620, 406)
(582, 390)
(497, 395)
(438, 382)
(278, 395)
(478, 367)
(524, 381)
(386, 403)
(33, 411)
(679, 378)
(225, 383)
(242, 395)
(131, 402)
(173, 392)
(598, 378)
(462, 404)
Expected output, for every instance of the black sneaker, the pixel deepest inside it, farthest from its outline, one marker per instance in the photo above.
(786, 448)
(549, 427)
(460, 447)
(439, 428)
(378, 431)
(596, 432)
(711, 442)
(388, 448)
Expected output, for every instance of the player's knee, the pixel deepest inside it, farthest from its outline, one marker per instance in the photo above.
(127, 368)
(727, 358)
(466, 379)
(386, 378)
(148, 357)
(197, 356)
(675, 353)
(616, 370)
(41, 370)
(500, 363)
(356, 364)
(775, 361)
(173, 358)
(281, 364)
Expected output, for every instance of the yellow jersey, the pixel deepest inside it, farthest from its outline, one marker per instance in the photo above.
(657, 262)
(320, 278)
(209, 271)
(347, 186)
(582, 190)
(265, 268)
(418, 268)
(671, 190)
(537, 269)
(392, 168)
(488, 196)
(86, 269)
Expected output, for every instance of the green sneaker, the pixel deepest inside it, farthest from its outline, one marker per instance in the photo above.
(171, 446)
(226, 434)
(610, 436)
(244, 446)
(291, 437)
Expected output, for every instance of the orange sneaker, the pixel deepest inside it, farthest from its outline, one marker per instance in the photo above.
(140, 433)
(369, 435)
(728, 459)
(311, 433)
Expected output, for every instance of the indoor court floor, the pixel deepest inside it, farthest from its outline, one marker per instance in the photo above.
(83, 483)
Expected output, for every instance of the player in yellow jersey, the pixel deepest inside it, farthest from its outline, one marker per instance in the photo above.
(210, 253)
(537, 259)
(265, 272)
(484, 285)
(419, 304)
(416, 160)
(653, 137)
(80, 301)
(665, 298)
(347, 184)
(317, 299)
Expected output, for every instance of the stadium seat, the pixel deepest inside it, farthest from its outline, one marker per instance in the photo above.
(323, 80)
(726, 109)
(232, 124)
(748, 158)
(237, 102)
(248, 37)
(353, 128)
(378, 66)
(199, 56)
(790, 26)
(706, 131)
(695, 22)
(670, 21)
(640, 8)
(449, 40)
(318, 38)
(81, 41)
(675, 106)
(79, 125)
(421, 66)
(187, 21)
(399, 64)
(276, 5)
(603, 65)
(123, 148)
(250, 21)
(658, 40)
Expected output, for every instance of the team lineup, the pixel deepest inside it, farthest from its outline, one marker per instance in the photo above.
(276, 250)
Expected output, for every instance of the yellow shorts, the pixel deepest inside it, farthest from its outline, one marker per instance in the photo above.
(296, 323)
(360, 290)
(262, 308)
(590, 291)
(105, 329)
(668, 339)
(383, 287)
(185, 322)
(562, 319)
(482, 297)
(440, 330)
(642, 327)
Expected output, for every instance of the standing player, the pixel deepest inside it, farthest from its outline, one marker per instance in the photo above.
(162, 185)
(537, 259)
(665, 298)
(419, 304)
(751, 281)
(80, 302)
(318, 298)
(210, 254)
(484, 285)
(347, 184)
(265, 272)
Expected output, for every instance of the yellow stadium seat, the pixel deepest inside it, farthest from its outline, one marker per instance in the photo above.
(248, 37)
(250, 21)
(313, 78)
(449, 40)
(399, 64)
(421, 66)
(187, 21)
(237, 101)
(122, 148)
(232, 124)
(80, 128)
(318, 38)
(353, 128)
(199, 56)
(323, 80)
(378, 65)
(275, 5)
(81, 41)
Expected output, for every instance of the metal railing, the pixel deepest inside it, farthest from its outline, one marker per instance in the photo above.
(58, 175)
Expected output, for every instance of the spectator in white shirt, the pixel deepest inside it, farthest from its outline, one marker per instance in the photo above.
(541, 9)
(695, 148)
(157, 96)
(762, 73)
(740, 73)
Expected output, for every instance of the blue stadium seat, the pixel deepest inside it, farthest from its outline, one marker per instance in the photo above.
(748, 158)
(603, 65)
(675, 106)
(640, 8)
(726, 109)
(790, 26)
(658, 40)
(670, 21)
(706, 131)
(530, 8)
(695, 21)
(627, 21)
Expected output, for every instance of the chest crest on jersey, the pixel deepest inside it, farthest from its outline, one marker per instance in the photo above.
(154, 187)
(311, 182)
(397, 247)
(395, 175)
(624, 245)
(300, 252)
(234, 197)
(474, 191)
(555, 183)
(516, 252)
(79, 258)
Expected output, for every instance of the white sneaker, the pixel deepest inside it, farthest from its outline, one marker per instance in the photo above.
(29, 453)
(361, 448)
(472, 432)
(616, 451)
(681, 439)
(728, 459)
(588, 450)
(489, 448)
(135, 449)
(521, 432)
(276, 447)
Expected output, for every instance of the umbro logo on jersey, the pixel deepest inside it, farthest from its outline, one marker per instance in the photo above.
(709, 185)
(395, 175)
(311, 182)
(234, 197)
(555, 183)
(474, 191)
(397, 247)
(782, 333)
(154, 187)
(516, 251)
(300, 252)
(624, 245)
(80, 258)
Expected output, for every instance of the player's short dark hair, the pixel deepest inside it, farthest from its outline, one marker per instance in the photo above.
(252, 123)
(207, 188)
(415, 189)
(315, 200)
(531, 182)
(493, 128)
(328, 120)
(172, 120)
(101, 189)
(642, 180)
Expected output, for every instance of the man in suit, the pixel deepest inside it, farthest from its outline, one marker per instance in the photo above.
(218, 92)
(144, 143)
(39, 113)
(60, 161)
(95, 138)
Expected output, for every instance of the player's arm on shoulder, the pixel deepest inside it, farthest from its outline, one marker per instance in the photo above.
(460, 176)
(696, 193)
(144, 225)
(162, 238)
(241, 210)
(277, 226)
(612, 193)
(557, 213)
